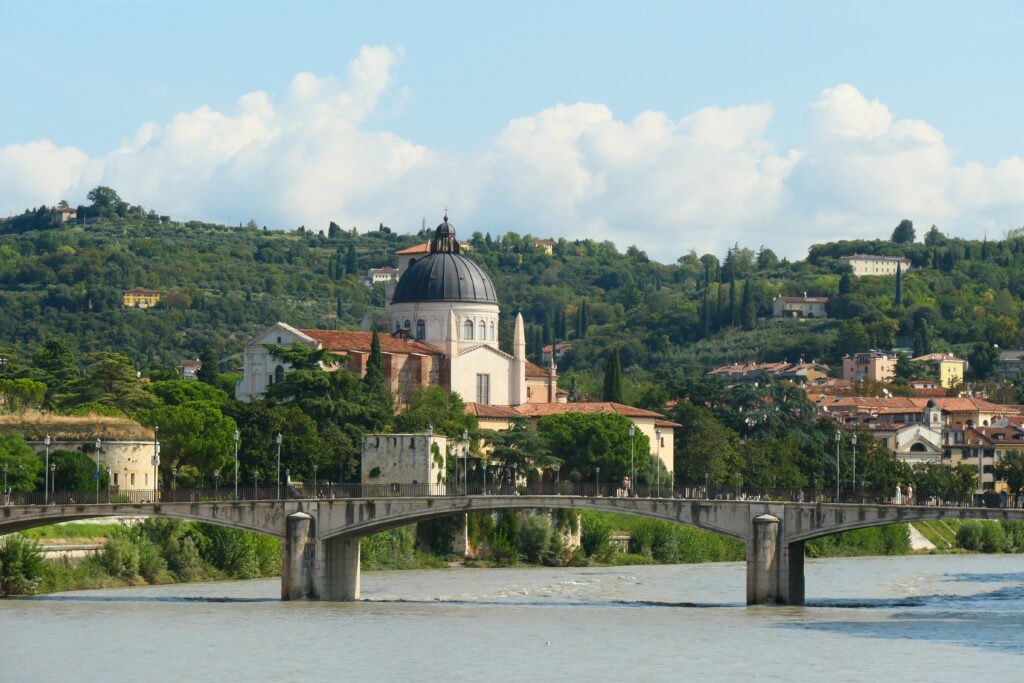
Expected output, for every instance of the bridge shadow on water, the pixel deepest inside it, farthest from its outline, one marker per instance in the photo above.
(136, 598)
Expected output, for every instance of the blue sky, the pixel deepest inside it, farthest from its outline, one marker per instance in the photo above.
(669, 125)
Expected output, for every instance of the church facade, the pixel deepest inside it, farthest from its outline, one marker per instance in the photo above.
(444, 314)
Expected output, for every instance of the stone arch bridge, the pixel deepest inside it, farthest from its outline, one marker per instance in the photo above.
(321, 537)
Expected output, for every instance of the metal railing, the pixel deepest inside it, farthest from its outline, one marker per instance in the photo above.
(329, 491)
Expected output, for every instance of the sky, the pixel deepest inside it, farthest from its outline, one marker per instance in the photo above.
(674, 126)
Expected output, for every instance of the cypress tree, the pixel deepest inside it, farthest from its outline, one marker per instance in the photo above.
(352, 261)
(613, 378)
(208, 371)
(547, 330)
(379, 405)
(899, 284)
(705, 322)
(747, 311)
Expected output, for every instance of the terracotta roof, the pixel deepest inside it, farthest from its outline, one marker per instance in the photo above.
(872, 257)
(540, 409)
(666, 423)
(907, 404)
(484, 410)
(929, 392)
(66, 209)
(418, 249)
(534, 370)
(141, 290)
(564, 345)
(340, 340)
(190, 364)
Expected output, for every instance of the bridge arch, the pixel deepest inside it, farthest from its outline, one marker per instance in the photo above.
(219, 515)
(383, 514)
(837, 520)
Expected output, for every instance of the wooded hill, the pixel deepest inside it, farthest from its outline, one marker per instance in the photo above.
(221, 284)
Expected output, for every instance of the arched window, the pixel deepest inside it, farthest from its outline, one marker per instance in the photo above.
(482, 327)
(918, 448)
(467, 330)
(407, 324)
(492, 330)
(421, 329)
(278, 374)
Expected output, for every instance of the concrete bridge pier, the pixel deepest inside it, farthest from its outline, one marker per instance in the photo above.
(775, 568)
(314, 569)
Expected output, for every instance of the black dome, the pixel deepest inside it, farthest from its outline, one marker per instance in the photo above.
(445, 276)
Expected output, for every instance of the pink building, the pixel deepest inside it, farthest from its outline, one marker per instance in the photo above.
(869, 365)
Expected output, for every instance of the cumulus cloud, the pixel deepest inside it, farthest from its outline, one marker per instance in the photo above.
(702, 181)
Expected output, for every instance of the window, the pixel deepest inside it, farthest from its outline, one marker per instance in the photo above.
(421, 329)
(467, 330)
(483, 388)
(492, 330)
(918, 448)
(407, 324)
(116, 483)
(278, 374)
(133, 479)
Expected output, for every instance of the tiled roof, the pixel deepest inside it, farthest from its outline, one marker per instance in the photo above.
(540, 409)
(190, 364)
(534, 370)
(141, 290)
(340, 340)
(484, 410)
(418, 249)
(872, 257)
(906, 404)
(938, 356)
(805, 299)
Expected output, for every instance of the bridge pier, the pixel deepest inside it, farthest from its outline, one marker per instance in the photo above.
(775, 568)
(314, 569)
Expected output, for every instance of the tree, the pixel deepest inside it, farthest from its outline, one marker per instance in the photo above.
(106, 202)
(333, 231)
(110, 381)
(443, 410)
(583, 441)
(208, 369)
(704, 447)
(75, 471)
(934, 238)
(351, 261)
(982, 359)
(55, 366)
(23, 467)
(379, 401)
(196, 437)
(19, 395)
(1011, 470)
(613, 378)
(518, 451)
(178, 391)
(852, 338)
(904, 232)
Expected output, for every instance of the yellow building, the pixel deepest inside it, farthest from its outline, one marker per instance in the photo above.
(948, 369)
(140, 298)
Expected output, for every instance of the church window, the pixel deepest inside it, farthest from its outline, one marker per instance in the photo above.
(492, 330)
(483, 388)
(918, 448)
(421, 329)
(407, 324)
(467, 330)
(278, 374)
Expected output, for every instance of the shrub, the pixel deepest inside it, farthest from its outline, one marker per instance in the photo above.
(503, 553)
(968, 536)
(21, 565)
(1014, 535)
(993, 538)
(595, 536)
(120, 557)
(535, 538)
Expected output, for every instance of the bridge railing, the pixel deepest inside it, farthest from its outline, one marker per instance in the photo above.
(325, 490)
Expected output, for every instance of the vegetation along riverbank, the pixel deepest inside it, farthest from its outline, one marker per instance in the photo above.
(157, 550)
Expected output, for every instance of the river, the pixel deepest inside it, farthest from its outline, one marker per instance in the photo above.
(935, 618)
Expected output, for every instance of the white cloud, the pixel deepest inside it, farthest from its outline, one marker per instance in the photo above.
(705, 180)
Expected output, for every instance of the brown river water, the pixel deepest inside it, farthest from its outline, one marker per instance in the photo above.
(933, 618)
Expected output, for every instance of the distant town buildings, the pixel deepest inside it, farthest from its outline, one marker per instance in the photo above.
(800, 307)
(869, 365)
(67, 214)
(555, 351)
(800, 373)
(140, 297)
(377, 275)
(547, 245)
(866, 264)
(1011, 363)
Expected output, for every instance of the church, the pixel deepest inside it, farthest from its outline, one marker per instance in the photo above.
(444, 315)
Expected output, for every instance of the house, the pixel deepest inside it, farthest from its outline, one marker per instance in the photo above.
(945, 366)
(555, 351)
(867, 264)
(67, 214)
(188, 369)
(376, 275)
(546, 245)
(1011, 363)
(869, 365)
(799, 307)
(140, 297)
(855, 410)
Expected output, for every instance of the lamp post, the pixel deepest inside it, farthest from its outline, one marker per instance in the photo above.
(706, 485)
(237, 435)
(465, 462)
(853, 440)
(46, 472)
(278, 439)
(155, 460)
(597, 481)
(53, 481)
(287, 478)
(632, 462)
(110, 472)
(216, 483)
(485, 477)
(556, 468)
(124, 483)
(256, 483)
(96, 475)
(315, 494)
(5, 479)
(839, 438)
(657, 463)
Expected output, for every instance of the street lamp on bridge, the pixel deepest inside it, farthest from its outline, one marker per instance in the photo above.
(96, 475)
(46, 472)
(278, 439)
(237, 436)
(632, 462)
(839, 439)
